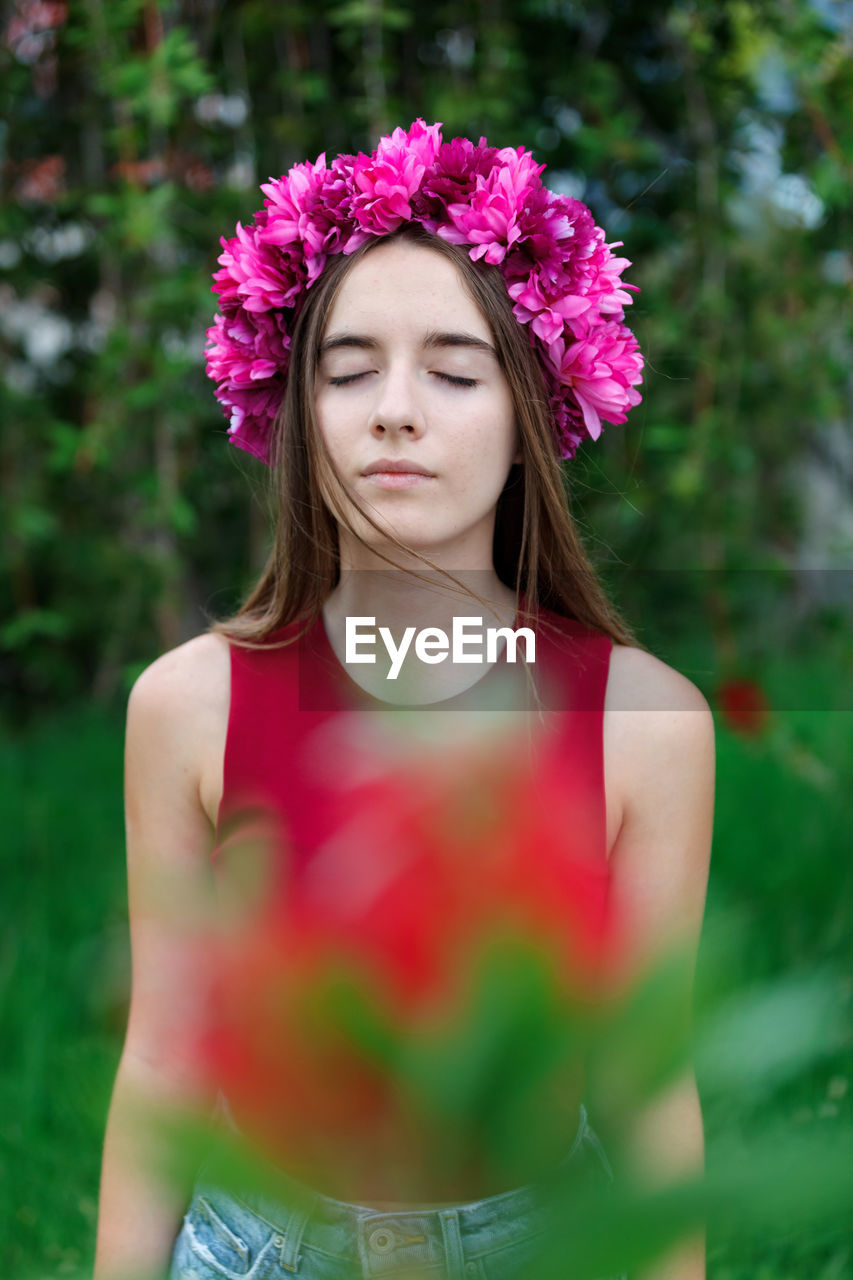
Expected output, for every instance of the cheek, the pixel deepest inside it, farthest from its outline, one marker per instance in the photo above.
(499, 439)
(323, 418)
(334, 436)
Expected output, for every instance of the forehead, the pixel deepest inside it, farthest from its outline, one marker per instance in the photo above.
(402, 288)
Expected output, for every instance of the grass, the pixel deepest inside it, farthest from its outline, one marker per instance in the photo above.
(781, 872)
(63, 982)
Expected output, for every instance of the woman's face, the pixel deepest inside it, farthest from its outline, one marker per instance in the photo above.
(408, 377)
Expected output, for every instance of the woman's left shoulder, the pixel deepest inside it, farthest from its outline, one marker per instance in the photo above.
(662, 765)
(639, 681)
(653, 751)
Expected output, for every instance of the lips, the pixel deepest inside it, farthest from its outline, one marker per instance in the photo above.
(396, 466)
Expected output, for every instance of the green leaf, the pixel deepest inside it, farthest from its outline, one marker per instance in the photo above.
(33, 624)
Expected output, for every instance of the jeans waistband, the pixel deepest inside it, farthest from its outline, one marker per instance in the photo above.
(309, 1216)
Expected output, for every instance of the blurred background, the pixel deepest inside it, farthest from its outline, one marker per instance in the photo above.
(715, 140)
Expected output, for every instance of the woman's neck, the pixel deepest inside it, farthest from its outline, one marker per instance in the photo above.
(396, 598)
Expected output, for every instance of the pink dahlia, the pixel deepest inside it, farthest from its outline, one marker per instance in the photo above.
(248, 355)
(307, 208)
(257, 276)
(387, 180)
(452, 178)
(544, 309)
(491, 219)
(568, 423)
(597, 276)
(602, 370)
(546, 227)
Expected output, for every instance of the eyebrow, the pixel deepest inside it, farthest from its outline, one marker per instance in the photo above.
(434, 338)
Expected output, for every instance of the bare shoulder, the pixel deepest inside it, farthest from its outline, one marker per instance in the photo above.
(179, 706)
(193, 672)
(659, 733)
(173, 707)
(639, 681)
(652, 748)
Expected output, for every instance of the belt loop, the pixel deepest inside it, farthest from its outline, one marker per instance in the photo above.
(300, 1215)
(452, 1244)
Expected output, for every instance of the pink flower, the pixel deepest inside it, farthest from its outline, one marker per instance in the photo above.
(387, 179)
(491, 219)
(457, 166)
(258, 276)
(252, 415)
(248, 356)
(310, 207)
(598, 278)
(612, 295)
(246, 349)
(544, 310)
(602, 370)
(567, 418)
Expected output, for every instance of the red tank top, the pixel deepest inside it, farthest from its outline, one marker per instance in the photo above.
(282, 697)
(302, 747)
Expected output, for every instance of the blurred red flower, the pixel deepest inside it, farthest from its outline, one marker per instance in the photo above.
(332, 979)
(744, 705)
(30, 32)
(42, 181)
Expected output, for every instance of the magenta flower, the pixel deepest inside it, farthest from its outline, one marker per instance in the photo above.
(546, 311)
(612, 293)
(252, 415)
(387, 179)
(602, 370)
(248, 355)
(310, 207)
(567, 419)
(597, 275)
(257, 276)
(457, 166)
(491, 218)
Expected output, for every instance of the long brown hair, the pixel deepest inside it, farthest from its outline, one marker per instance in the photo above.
(537, 548)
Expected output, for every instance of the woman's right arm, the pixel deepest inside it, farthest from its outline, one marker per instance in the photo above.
(169, 838)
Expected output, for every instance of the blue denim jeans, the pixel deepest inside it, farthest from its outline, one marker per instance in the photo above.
(225, 1237)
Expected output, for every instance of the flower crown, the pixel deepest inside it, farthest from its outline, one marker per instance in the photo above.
(560, 274)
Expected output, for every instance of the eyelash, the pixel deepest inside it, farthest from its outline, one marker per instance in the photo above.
(448, 377)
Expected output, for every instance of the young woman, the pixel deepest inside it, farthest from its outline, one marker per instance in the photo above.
(412, 340)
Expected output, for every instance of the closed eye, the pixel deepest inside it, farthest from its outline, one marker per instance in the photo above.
(457, 382)
(446, 377)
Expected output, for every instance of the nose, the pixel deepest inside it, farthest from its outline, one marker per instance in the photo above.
(397, 408)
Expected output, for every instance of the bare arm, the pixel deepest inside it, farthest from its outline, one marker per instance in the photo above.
(660, 866)
(168, 842)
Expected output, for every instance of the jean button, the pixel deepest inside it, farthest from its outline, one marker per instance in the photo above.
(381, 1240)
